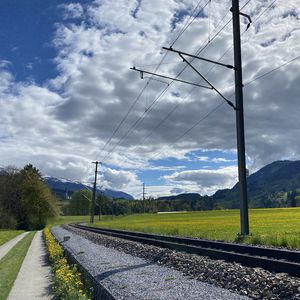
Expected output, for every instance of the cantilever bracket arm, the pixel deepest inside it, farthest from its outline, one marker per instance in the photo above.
(198, 57)
(208, 82)
(171, 78)
(246, 16)
(249, 19)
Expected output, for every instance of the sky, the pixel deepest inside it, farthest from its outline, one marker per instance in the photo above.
(68, 96)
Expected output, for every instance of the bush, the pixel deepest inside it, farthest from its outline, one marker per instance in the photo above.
(67, 281)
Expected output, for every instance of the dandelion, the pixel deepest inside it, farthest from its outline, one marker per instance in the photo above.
(67, 282)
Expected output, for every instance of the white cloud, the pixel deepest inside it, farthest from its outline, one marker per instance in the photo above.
(72, 10)
(206, 180)
(118, 179)
(215, 159)
(222, 160)
(68, 120)
(203, 158)
(177, 191)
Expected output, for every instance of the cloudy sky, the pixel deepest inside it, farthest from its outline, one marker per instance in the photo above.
(68, 96)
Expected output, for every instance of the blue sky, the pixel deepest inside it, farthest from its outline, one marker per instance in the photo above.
(28, 28)
(65, 86)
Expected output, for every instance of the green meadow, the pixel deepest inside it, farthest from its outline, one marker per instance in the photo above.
(6, 235)
(270, 226)
(61, 220)
(274, 226)
(11, 263)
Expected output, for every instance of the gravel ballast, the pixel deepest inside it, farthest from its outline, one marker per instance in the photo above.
(253, 282)
(126, 276)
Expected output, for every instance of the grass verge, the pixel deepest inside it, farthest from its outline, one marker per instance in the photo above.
(67, 281)
(11, 263)
(6, 235)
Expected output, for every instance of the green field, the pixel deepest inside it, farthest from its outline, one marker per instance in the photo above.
(67, 220)
(11, 263)
(276, 226)
(6, 235)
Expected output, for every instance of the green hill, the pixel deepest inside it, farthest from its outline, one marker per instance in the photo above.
(275, 185)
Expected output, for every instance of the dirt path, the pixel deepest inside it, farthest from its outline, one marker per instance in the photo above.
(34, 279)
(4, 249)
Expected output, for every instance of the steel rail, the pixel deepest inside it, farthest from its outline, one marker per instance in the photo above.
(277, 260)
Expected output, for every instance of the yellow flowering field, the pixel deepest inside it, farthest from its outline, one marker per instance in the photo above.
(272, 226)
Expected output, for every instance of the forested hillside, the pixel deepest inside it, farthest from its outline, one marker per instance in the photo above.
(275, 185)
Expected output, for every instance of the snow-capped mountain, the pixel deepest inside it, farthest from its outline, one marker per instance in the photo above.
(64, 188)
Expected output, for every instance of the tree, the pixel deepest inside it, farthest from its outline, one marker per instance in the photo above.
(38, 203)
(104, 205)
(80, 203)
(30, 169)
(25, 200)
(293, 195)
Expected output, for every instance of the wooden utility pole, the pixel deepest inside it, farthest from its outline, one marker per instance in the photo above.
(94, 192)
(143, 197)
(244, 219)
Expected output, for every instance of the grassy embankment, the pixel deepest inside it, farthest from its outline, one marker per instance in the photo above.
(11, 263)
(276, 226)
(6, 235)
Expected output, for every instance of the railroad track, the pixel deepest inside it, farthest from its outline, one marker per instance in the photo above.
(277, 260)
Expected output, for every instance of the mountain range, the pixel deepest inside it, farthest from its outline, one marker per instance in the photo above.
(64, 188)
(275, 185)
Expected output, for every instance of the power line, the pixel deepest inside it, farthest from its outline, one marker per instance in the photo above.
(176, 62)
(271, 71)
(173, 109)
(230, 48)
(220, 104)
(146, 85)
(125, 116)
(268, 7)
(200, 49)
(135, 123)
(186, 27)
(161, 122)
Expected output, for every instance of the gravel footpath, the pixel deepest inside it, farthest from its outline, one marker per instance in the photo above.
(253, 282)
(35, 276)
(132, 278)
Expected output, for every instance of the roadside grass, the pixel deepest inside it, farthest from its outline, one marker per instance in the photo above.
(271, 226)
(6, 235)
(11, 263)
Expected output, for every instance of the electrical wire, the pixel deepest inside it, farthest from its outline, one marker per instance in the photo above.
(271, 71)
(147, 83)
(268, 7)
(125, 116)
(200, 49)
(220, 104)
(169, 114)
(194, 18)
